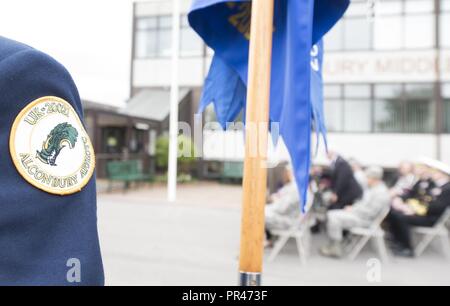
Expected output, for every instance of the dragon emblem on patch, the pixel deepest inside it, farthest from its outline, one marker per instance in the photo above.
(63, 135)
(50, 147)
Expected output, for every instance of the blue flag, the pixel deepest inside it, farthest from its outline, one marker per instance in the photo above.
(317, 93)
(298, 26)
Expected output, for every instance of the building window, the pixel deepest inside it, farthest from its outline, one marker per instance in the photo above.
(387, 108)
(419, 6)
(113, 140)
(154, 37)
(410, 28)
(334, 40)
(419, 31)
(357, 108)
(388, 31)
(357, 34)
(388, 115)
(420, 115)
(357, 115)
(394, 7)
(164, 42)
(381, 108)
(146, 31)
(332, 91)
(334, 115)
(190, 44)
(404, 108)
(446, 97)
(357, 9)
(406, 24)
(348, 108)
(445, 5)
(357, 91)
(444, 23)
(353, 32)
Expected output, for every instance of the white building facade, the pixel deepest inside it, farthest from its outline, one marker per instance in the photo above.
(386, 70)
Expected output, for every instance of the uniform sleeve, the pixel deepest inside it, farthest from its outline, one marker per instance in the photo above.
(370, 206)
(343, 174)
(41, 232)
(30, 74)
(289, 201)
(438, 207)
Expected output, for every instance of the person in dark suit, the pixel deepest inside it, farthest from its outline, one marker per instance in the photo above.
(48, 216)
(421, 190)
(401, 221)
(346, 190)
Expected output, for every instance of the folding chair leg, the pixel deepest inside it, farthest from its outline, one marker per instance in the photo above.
(381, 247)
(358, 247)
(301, 249)
(307, 242)
(423, 244)
(281, 242)
(445, 245)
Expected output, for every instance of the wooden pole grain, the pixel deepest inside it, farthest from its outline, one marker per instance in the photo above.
(257, 117)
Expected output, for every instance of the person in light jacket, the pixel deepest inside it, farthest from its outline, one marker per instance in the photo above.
(283, 207)
(375, 201)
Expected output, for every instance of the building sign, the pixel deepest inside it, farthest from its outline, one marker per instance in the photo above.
(368, 67)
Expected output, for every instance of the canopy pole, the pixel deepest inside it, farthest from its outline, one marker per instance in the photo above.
(257, 117)
(174, 99)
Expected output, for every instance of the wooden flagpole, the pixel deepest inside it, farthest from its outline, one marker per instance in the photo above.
(257, 117)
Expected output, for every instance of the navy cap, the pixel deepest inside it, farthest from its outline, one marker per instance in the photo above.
(48, 214)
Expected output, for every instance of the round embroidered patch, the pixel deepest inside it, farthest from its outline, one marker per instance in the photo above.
(50, 147)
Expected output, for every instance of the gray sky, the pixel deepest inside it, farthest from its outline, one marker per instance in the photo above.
(92, 38)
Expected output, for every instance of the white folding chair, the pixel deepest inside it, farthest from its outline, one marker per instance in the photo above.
(439, 230)
(300, 231)
(365, 234)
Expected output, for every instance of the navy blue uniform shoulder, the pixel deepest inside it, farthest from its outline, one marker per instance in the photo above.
(9, 47)
(23, 67)
(41, 233)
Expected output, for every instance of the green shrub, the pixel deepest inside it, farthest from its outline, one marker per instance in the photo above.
(162, 152)
(186, 153)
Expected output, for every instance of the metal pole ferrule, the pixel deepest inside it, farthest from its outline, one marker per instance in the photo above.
(249, 279)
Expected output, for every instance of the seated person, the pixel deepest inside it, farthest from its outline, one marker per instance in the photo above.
(361, 214)
(283, 207)
(358, 173)
(419, 195)
(346, 189)
(401, 220)
(406, 180)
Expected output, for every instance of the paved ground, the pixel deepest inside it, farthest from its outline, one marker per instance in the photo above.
(147, 241)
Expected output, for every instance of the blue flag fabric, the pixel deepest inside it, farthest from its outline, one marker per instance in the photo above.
(298, 25)
(317, 93)
(225, 89)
